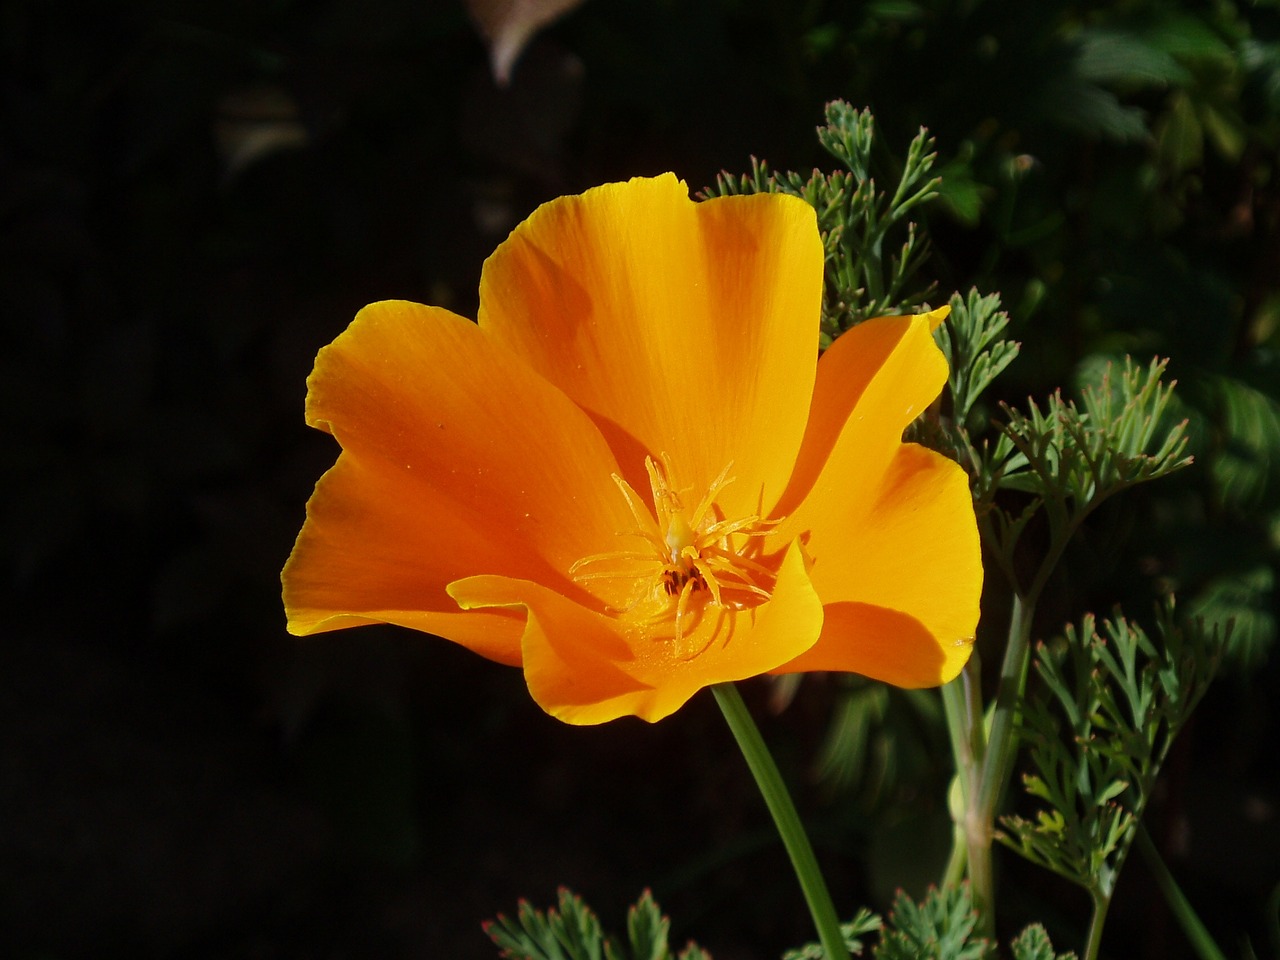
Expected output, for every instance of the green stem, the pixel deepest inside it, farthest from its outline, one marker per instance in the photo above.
(958, 862)
(997, 765)
(1196, 932)
(997, 761)
(769, 780)
(962, 704)
(1101, 904)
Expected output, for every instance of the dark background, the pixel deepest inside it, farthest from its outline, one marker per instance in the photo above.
(196, 196)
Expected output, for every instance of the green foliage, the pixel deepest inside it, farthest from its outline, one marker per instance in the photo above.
(1070, 458)
(940, 927)
(1248, 445)
(1034, 944)
(1075, 457)
(976, 353)
(571, 931)
(1109, 707)
(878, 739)
(864, 922)
(1244, 600)
(855, 218)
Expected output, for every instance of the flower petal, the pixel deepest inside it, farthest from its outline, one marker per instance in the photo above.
(872, 382)
(586, 668)
(574, 657)
(685, 329)
(457, 459)
(882, 644)
(901, 574)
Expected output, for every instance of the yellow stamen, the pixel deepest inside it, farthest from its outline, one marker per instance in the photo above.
(690, 562)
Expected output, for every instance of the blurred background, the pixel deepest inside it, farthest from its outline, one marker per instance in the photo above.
(196, 196)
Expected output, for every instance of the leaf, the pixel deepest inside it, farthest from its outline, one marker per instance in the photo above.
(1246, 601)
(1092, 111)
(1123, 697)
(976, 353)
(1244, 470)
(1112, 56)
(509, 25)
(940, 927)
(863, 922)
(1071, 457)
(535, 935)
(570, 931)
(1033, 944)
(1185, 35)
(647, 929)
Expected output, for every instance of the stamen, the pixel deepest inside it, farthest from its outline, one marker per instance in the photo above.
(692, 563)
(718, 484)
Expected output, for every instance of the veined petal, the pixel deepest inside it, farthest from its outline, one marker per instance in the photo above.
(585, 668)
(901, 574)
(456, 459)
(685, 329)
(363, 557)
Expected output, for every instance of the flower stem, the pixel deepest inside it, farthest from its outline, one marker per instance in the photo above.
(1201, 940)
(774, 791)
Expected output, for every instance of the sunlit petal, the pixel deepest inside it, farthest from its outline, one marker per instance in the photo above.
(448, 467)
(685, 329)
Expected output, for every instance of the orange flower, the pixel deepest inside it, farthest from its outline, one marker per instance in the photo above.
(633, 477)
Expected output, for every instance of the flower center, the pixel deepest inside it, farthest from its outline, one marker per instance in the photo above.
(688, 560)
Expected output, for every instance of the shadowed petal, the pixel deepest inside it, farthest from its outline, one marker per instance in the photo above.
(456, 459)
(685, 329)
(878, 643)
(901, 574)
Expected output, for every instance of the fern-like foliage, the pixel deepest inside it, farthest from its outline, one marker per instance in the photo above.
(1110, 703)
(863, 923)
(571, 931)
(940, 927)
(975, 350)
(1070, 457)
(1034, 944)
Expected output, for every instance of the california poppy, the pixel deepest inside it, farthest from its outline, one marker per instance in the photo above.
(634, 477)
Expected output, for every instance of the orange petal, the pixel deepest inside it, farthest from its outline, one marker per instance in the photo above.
(586, 668)
(686, 329)
(882, 644)
(574, 658)
(872, 382)
(366, 556)
(901, 575)
(457, 460)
